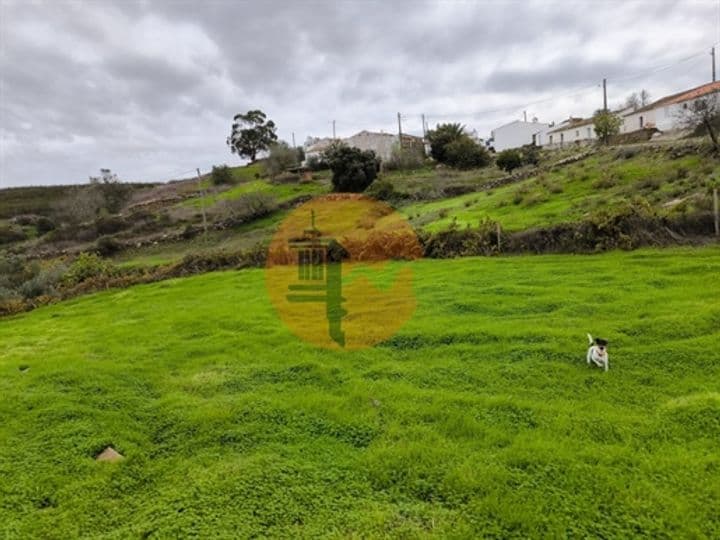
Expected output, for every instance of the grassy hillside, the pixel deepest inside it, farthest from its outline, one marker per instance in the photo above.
(480, 418)
(573, 192)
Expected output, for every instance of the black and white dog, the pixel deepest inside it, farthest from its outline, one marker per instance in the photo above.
(597, 353)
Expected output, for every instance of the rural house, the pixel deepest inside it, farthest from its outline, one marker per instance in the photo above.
(571, 131)
(381, 143)
(316, 147)
(666, 114)
(517, 134)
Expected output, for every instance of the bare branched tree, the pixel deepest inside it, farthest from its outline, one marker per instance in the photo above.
(703, 113)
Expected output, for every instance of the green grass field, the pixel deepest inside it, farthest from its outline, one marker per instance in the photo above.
(479, 418)
(571, 193)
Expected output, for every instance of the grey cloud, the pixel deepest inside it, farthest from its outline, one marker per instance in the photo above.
(79, 93)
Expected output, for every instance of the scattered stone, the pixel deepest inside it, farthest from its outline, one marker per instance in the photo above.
(24, 368)
(375, 402)
(110, 454)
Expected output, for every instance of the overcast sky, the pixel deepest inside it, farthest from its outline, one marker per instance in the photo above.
(149, 88)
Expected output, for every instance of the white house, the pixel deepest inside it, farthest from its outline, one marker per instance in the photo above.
(316, 147)
(383, 144)
(571, 131)
(380, 143)
(666, 114)
(517, 134)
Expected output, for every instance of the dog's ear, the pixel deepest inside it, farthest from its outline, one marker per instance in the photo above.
(601, 342)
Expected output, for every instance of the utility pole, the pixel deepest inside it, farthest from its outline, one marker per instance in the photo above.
(525, 116)
(423, 123)
(202, 204)
(712, 53)
(400, 130)
(333, 129)
(293, 137)
(605, 95)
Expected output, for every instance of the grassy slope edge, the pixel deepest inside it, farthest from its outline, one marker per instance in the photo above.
(479, 418)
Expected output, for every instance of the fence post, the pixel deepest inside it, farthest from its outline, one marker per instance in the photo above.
(716, 212)
(497, 229)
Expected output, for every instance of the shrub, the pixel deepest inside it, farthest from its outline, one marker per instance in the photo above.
(509, 160)
(221, 175)
(315, 163)
(10, 234)
(107, 245)
(281, 158)
(44, 225)
(248, 207)
(354, 170)
(286, 178)
(25, 220)
(627, 153)
(87, 266)
(44, 282)
(606, 181)
(406, 159)
(384, 190)
(464, 153)
(441, 137)
(106, 224)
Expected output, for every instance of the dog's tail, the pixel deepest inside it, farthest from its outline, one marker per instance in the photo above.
(590, 339)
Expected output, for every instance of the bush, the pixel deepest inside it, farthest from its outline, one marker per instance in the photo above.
(106, 224)
(107, 245)
(87, 266)
(10, 234)
(405, 159)
(44, 225)
(354, 170)
(286, 178)
(464, 153)
(315, 163)
(281, 158)
(221, 175)
(440, 137)
(384, 190)
(509, 160)
(530, 154)
(248, 207)
(44, 283)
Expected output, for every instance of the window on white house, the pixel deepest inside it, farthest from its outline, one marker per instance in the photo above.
(642, 122)
(577, 134)
(589, 131)
(551, 138)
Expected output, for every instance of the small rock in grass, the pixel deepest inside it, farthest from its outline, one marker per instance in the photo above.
(24, 367)
(109, 454)
(375, 402)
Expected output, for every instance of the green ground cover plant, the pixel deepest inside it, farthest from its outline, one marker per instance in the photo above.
(478, 419)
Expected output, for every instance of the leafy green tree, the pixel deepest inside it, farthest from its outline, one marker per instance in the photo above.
(282, 157)
(509, 160)
(251, 133)
(607, 124)
(353, 169)
(464, 153)
(221, 175)
(441, 137)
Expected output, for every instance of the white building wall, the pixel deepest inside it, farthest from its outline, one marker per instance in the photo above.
(517, 134)
(574, 135)
(380, 143)
(638, 120)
